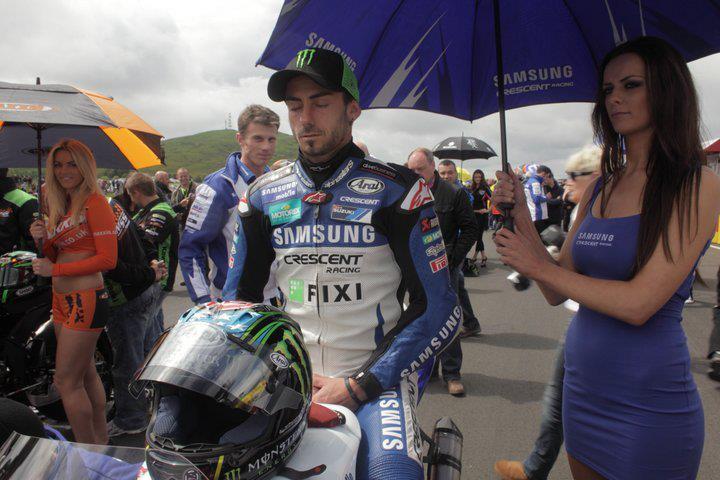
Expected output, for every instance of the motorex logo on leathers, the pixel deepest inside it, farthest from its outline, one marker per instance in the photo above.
(284, 212)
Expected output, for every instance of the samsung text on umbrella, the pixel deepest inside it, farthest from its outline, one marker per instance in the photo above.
(313, 41)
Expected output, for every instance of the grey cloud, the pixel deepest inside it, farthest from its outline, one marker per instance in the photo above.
(532, 138)
(183, 68)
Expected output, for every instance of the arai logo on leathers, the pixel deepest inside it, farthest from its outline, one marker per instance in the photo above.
(366, 186)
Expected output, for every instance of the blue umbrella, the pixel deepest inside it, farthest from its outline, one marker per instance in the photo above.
(440, 55)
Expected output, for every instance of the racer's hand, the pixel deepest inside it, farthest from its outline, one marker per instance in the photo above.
(184, 202)
(38, 231)
(332, 390)
(42, 267)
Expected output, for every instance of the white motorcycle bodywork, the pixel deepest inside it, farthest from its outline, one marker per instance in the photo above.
(336, 448)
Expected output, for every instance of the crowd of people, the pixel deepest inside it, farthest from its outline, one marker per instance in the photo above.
(370, 259)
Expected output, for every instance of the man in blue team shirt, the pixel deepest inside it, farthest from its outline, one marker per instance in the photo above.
(210, 223)
(536, 199)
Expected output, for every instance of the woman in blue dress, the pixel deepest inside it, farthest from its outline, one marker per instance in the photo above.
(631, 409)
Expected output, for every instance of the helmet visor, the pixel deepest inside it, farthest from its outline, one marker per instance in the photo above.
(203, 358)
(9, 277)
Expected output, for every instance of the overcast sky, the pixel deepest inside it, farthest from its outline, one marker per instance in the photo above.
(184, 66)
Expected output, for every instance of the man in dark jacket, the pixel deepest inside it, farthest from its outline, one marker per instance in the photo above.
(471, 325)
(459, 231)
(160, 234)
(134, 290)
(554, 193)
(17, 212)
(162, 185)
(182, 198)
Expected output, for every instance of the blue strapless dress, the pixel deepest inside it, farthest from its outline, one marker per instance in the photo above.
(631, 409)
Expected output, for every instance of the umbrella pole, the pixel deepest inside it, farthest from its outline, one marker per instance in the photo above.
(501, 85)
(38, 131)
(38, 136)
(39, 166)
(462, 157)
(507, 220)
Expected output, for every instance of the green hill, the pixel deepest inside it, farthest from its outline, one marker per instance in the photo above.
(205, 152)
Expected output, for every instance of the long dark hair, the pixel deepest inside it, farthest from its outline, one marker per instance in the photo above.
(676, 157)
(483, 183)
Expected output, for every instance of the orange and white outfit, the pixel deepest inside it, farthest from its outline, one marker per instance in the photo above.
(95, 233)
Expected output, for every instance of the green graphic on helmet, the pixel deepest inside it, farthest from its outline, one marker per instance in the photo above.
(17, 278)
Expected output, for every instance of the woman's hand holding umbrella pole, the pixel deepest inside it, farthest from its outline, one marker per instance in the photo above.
(509, 193)
(39, 233)
(521, 249)
(41, 266)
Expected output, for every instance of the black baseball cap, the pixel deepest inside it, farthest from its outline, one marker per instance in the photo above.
(326, 68)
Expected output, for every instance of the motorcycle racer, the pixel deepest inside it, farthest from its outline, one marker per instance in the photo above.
(536, 199)
(349, 237)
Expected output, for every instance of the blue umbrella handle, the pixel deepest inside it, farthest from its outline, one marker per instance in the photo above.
(505, 209)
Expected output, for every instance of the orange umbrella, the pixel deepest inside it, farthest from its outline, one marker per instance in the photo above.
(35, 117)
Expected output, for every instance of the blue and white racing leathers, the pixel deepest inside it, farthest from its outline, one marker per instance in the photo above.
(210, 228)
(346, 254)
(536, 199)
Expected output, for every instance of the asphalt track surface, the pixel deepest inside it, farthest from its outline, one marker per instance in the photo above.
(505, 370)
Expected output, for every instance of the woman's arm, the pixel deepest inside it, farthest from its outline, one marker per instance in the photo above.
(633, 301)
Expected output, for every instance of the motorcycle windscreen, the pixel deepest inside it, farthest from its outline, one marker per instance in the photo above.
(201, 357)
(23, 457)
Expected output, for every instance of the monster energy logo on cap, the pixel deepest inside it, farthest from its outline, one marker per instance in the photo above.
(325, 67)
(304, 56)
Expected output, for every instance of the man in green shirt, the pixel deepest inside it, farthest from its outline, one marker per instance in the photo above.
(157, 222)
(18, 210)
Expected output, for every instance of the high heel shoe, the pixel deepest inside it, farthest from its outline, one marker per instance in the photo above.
(483, 263)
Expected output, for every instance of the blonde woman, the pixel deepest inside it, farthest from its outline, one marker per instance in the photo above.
(79, 243)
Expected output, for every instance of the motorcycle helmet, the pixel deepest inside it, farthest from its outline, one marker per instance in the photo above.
(16, 270)
(231, 386)
(17, 278)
